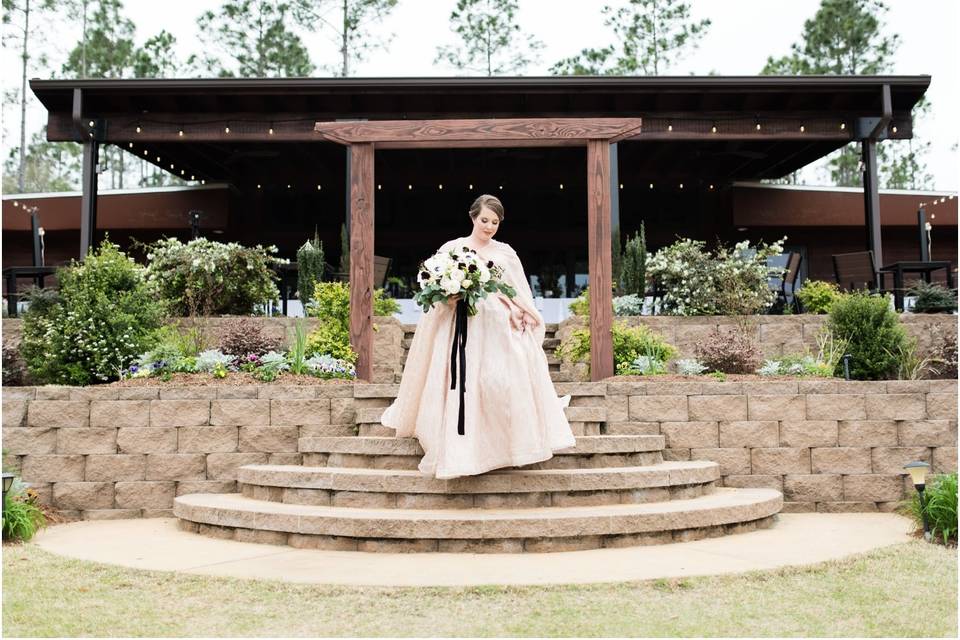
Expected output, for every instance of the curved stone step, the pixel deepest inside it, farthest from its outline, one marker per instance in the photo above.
(590, 452)
(389, 488)
(478, 530)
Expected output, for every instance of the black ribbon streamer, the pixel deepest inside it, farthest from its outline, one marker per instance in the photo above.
(459, 345)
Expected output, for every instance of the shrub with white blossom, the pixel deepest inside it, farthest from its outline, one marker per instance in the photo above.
(203, 277)
(731, 281)
(104, 316)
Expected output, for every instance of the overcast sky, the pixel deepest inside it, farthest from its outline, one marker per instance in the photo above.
(742, 35)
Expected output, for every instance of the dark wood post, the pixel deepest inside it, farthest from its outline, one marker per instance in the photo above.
(361, 256)
(599, 251)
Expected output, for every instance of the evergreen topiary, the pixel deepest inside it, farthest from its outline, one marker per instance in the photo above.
(634, 275)
(310, 266)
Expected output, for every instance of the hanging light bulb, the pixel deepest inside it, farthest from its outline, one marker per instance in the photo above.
(669, 127)
(180, 133)
(758, 126)
(138, 128)
(651, 185)
(471, 187)
(440, 187)
(802, 128)
(843, 125)
(203, 182)
(621, 185)
(226, 129)
(711, 187)
(894, 128)
(561, 185)
(131, 145)
(409, 187)
(270, 130)
(258, 186)
(318, 187)
(378, 187)
(681, 185)
(713, 129)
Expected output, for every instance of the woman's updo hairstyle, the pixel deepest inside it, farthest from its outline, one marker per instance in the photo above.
(490, 202)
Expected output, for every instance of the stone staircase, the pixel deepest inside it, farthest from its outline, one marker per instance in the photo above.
(364, 493)
(550, 344)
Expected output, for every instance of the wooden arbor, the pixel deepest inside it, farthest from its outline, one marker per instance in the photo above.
(596, 134)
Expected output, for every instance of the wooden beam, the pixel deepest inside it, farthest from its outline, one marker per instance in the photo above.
(599, 260)
(871, 200)
(361, 256)
(505, 131)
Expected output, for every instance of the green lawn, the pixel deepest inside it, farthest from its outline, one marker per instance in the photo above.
(904, 590)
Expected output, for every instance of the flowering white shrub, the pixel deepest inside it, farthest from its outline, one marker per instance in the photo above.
(734, 281)
(209, 278)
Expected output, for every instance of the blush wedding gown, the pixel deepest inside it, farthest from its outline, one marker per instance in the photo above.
(512, 415)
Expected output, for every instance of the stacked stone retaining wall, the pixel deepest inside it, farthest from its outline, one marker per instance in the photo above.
(828, 445)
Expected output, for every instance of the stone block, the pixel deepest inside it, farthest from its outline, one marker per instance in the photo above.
(808, 433)
(685, 435)
(147, 439)
(867, 433)
(761, 433)
(776, 407)
(244, 392)
(83, 495)
(940, 406)
(53, 392)
(837, 406)
(721, 407)
(22, 441)
(94, 393)
(92, 440)
(754, 482)
(927, 433)
(139, 393)
(658, 408)
(119, 413)
(771, 388)
(780, 461)
(342, 410)
(168, 392)
(207, 439)
(286, 391)
(895, 406)
(892, 459)
(732, 461)
(632, 429)
(176, 466)
(145, 495)
(58, 413)
(617, 408)
(55, 468)
(115, 468)
(944, 460)
(14, 412)
(292, 412)
(844, 460)
(239, 412)
(872, 488)
(179, 413)
(812, 487)
(269, 439)
(206, 486)
(223, 466)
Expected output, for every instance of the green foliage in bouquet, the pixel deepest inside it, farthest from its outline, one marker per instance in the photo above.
(104, 315)
(205, 278)
(816, 296)
(310, 266)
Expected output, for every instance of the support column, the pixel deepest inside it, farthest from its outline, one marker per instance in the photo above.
(871, 200)
(599, 258)
(88, 201)
(361, 256)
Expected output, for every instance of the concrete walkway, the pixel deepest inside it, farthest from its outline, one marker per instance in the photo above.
(796, 539)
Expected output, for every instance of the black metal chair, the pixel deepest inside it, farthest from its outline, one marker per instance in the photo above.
(789, 279)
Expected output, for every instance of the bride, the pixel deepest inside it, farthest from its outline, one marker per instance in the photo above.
(512, 415)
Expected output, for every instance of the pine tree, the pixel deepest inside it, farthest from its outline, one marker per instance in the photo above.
(492, 42)
(651, 35)
(255, 40)
(846, 37)
(350, 29)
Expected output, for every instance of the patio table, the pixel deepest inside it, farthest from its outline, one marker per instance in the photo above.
(924, 268)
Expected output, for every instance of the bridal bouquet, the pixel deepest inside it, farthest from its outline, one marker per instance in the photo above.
(459, 272)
